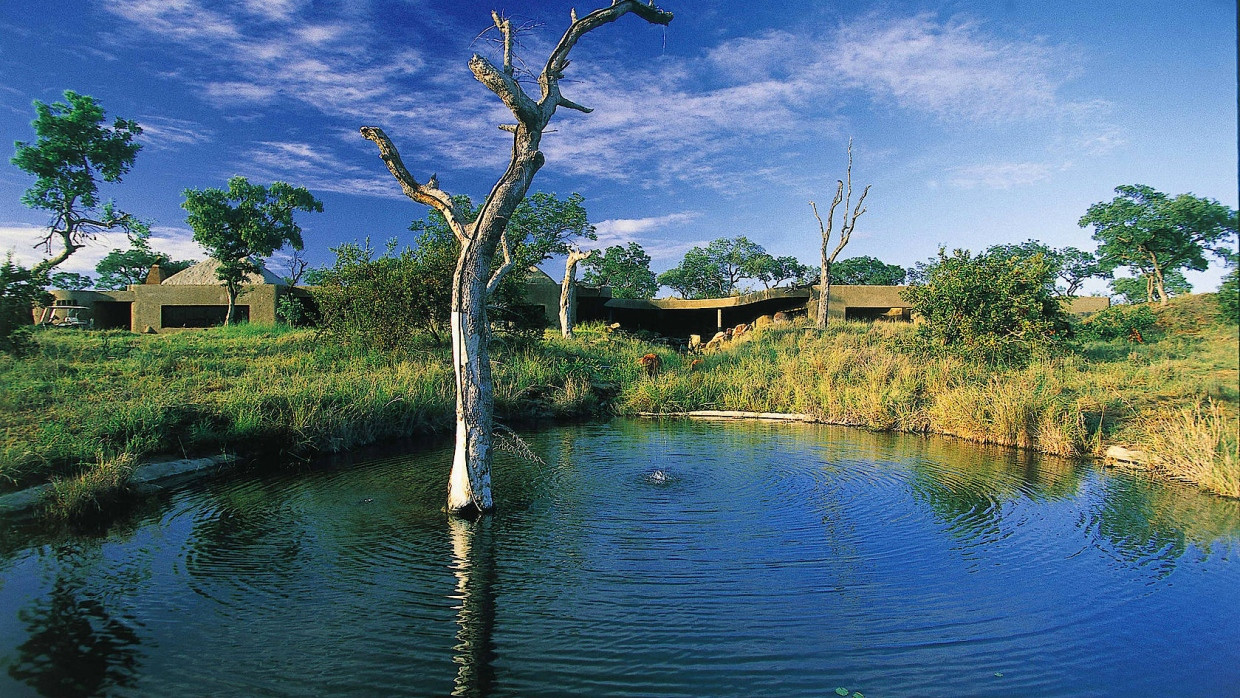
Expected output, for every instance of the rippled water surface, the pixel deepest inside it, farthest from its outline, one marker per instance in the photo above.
(644, 559)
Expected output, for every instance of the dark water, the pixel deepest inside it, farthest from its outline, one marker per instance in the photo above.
(761, 560)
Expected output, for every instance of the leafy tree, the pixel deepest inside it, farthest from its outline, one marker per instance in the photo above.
(716, 270)
(626, 269)
(736, 258)
(866, 271)
(773, 271)
(697, 276)
(1076, 266)
(70, 281)
(1140, 289)
(997, 304)
(245, 223)
(1119, 322)
(1153, 234)
(20, 290)
(1229, 290)
(73, 149)
(120, 268)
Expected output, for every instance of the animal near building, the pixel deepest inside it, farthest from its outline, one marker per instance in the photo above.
(195, 298)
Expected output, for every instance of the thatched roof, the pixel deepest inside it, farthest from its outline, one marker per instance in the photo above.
(203, 274)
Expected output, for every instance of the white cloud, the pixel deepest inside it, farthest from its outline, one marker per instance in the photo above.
(1002, 175)
(315, 168)
(162, 133)
(22, 238)
(621, 231)
(741, 112)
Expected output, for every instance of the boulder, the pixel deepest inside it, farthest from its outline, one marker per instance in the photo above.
(695, 342)
(762, 321)
(781, 318)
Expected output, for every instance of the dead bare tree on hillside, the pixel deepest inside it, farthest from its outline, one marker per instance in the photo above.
(469, 487)
(846, 229)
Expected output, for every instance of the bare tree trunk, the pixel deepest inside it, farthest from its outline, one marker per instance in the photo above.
(469, 486)
(568, 291)
(232, 292)
(1158, 280)
(846, 228)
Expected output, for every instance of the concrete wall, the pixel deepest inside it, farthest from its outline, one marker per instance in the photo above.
(149, 301)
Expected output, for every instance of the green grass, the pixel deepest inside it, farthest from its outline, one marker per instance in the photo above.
(87, 405)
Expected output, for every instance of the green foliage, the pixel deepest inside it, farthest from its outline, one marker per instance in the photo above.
(383, 301)
(294, 311)
(74, 146)
(1153, 234)
(70, 281)
(716, 270)
(997, 304)
(1076, 266)
(1130, 322)
(866, 271)
(241, 226)
(697, 276)
(1229, 296)
(120, 268)
(20, 290)
(773, 271)
(1141, 289)
(626, 269)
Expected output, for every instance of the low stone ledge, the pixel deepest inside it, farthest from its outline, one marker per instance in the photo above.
(147, 474)
(726, 414)
(1125, 455)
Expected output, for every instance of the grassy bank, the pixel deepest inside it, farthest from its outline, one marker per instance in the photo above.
(87, 405)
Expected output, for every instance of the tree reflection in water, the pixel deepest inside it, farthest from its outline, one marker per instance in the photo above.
(473, 553)
(76, 646)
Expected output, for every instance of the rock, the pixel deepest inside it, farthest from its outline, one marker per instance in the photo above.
(739, 330)
(1125, 455)
(149, 330)
(762, 321)
(781, 318)
(695, 342)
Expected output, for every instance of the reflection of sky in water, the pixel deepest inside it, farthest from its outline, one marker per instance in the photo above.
(642, 558)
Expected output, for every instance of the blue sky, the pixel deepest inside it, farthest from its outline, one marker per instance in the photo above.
(975, 122)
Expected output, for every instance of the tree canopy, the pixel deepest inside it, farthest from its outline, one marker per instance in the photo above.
(996, 303)
(773, 271)
(866, 271)
(121, 268)
(1152, 233)
(625, 269)
(244, 224)
(73, 149)
(716, 270)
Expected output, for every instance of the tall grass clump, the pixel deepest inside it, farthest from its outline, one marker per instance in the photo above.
(1200, 444)
(90, 491)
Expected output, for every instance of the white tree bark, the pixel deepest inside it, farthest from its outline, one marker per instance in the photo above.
(568, 291)
(469, 485)
(846, 228)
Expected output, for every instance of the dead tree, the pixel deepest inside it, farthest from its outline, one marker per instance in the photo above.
(568, 291)
(846, 229)
(475, 277)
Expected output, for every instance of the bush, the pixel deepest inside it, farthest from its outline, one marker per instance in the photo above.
(1119, 322)
(381, 302)
(995, 304)
(1229, 296)
(20, 290)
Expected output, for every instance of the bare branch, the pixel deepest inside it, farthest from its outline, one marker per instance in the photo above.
(558, 60)
(505, 86)
(504, 25)
(504, 268)
(566, 102)
(429, 194)
(510, 128)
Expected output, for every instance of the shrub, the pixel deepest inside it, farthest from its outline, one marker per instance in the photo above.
(1119, 322)
(1229, 296)
(20, 290)
(994, 304)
